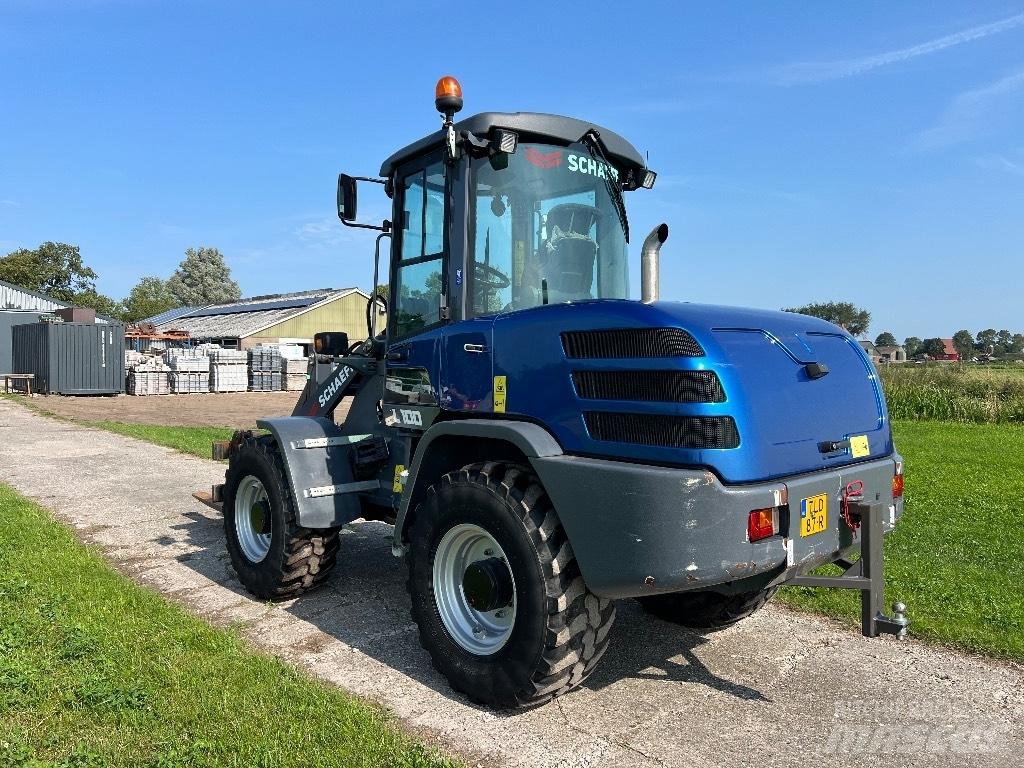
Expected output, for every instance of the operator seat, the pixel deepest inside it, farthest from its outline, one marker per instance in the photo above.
(572, 252)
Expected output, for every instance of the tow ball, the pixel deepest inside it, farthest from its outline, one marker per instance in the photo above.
(868, 573)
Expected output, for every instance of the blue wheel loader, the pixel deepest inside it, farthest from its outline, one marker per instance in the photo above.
(543, 445)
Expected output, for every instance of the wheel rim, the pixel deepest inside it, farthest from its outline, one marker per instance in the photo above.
(469, 548)
(252, 518)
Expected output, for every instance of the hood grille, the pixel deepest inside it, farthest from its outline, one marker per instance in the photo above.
(663, 431)
(630, 343)
(650, 386)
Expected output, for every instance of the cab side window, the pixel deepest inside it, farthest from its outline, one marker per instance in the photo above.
(419, 275)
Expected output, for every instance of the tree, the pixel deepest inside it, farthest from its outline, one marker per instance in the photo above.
(985, 339)
(104, 305)
(886, 339)
(203, 278)
(964, 343)
(150, 296)
(55, 269)
(1017, 343)
(933, 347)
(912, 344)
(1003, 341)
(855, 320)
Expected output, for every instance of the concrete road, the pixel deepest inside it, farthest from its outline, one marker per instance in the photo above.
(779, 689)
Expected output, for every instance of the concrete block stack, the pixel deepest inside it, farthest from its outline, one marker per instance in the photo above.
(190, 371)
(294, 370)
(228, 370)
(265, 368)
(149, 376)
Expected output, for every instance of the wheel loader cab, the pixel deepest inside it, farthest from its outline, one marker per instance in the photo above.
(527, 212)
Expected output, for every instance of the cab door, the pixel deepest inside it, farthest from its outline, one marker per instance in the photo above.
(466, 365)
(418, 276)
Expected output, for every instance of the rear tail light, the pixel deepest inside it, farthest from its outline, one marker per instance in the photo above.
(897, 481)
(762, 523)
(898, 486)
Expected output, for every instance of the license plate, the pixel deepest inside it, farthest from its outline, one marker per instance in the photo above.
(813, 514)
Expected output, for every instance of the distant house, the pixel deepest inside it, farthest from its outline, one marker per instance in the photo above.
(871, 350)
(892, 354)
(949, 352)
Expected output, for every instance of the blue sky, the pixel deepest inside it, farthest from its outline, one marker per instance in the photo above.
(871, 152)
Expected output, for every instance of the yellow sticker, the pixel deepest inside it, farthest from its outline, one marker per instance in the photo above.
(398, 485)
(859, 446)
(499, 394)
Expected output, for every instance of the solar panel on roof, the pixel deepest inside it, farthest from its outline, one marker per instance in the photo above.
(261, 306)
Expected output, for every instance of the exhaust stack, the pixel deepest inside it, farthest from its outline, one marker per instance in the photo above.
(649, 256)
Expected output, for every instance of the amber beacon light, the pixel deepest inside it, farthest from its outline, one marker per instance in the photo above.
(448, 96)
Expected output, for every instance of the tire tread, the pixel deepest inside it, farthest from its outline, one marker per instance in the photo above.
(309, 553)
(577, 621)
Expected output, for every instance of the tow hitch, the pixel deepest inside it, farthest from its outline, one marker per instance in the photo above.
(868, 573)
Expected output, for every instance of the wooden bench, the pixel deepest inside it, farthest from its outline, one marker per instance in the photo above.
(27, 378)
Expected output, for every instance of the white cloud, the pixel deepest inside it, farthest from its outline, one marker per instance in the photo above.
(10, 203)
(969, 113)
(1002, 163)
(326, 231)
(820, 71)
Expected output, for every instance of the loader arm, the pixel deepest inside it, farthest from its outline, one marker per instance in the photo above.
(330, 379)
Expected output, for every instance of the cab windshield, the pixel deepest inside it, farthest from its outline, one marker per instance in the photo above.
(546, 229)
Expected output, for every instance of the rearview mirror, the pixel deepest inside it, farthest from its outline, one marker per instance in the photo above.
(346, 197)
(332, 343)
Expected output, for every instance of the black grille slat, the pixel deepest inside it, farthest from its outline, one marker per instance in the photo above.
(630, 343)
(664, 431)
(650, 386)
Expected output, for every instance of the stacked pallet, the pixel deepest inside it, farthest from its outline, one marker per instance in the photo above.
(294, 370)
(190, 371)
(149, 376)
(265, 368)
(131, 358)
(228, 370)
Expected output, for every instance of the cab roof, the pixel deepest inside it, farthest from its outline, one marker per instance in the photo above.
(529, 126)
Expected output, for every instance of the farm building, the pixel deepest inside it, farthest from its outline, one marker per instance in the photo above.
(892, 354)
(949, 352)
(871, 350)
(19, 306)
(288, 318)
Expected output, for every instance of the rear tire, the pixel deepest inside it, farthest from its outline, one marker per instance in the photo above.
(274, 557)
(706, 609)
(543, 632)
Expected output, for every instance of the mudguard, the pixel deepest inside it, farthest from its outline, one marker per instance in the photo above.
(532, 440)
(316, 451)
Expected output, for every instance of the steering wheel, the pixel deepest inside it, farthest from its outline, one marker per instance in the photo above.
(499, 280)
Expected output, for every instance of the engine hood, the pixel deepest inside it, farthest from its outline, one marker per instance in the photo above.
(751, 394)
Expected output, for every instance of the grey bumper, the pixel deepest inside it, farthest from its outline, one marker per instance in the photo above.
(641, 530)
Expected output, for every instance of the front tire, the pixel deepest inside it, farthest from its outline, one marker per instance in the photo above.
(706, 609)
(275, 557)
(501, 605)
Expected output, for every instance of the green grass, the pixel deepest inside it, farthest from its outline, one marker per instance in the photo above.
(195, 440)
(956, 558)
(949, 392)
(97, 671)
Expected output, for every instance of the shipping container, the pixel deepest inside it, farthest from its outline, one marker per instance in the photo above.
(71, 358)
(9, 319)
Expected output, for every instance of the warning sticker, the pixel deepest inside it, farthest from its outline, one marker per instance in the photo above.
(499, 394)
(397, 485)
(859, 446)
